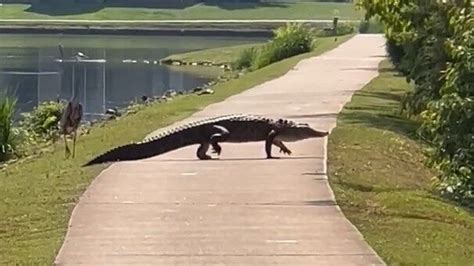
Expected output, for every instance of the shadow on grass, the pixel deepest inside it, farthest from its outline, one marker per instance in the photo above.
(371, 188)
(244, 5)
(380, 110)
(393, 97)
(426, 217)
(387, 122)
(382, 70)
(416, 195)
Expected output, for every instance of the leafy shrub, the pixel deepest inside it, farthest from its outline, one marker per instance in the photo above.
(266, 56)
(44, 119)
(7, 110)
(341, 29)
(344, 28)
(433, 45)
(289, 40)
(449, 118)
(245, 58)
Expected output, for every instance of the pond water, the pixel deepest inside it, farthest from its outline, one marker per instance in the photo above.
(118, 69)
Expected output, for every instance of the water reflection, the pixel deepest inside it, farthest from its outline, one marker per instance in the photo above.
(32, 69)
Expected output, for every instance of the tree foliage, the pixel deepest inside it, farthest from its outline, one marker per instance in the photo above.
(436, 39)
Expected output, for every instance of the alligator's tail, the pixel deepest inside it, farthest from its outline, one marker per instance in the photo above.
(161, 144)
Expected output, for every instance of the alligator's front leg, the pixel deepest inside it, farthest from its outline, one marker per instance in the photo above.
(282, 146)
(202, 150)
(221, 134)
(268, 144)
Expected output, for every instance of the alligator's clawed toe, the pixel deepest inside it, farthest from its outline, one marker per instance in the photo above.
(218, 151)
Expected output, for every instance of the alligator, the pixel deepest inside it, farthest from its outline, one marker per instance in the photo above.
(236, 128)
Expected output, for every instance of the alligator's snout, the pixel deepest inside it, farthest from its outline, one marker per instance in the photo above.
(319, 134)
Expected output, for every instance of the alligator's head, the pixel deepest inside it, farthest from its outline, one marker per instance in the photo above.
(289, 131)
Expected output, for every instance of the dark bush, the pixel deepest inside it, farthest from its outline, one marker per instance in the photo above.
(395, 52)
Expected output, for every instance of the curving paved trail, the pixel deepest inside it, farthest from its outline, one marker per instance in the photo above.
(241, 209)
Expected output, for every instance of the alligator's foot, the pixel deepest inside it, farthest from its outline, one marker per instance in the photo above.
(204, 157)
(217, 149)
(272, 157)
(201, 152)
(285, 151)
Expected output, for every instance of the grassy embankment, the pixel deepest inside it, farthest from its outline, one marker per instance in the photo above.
(297, 10)
(38, 195)
(376, 170)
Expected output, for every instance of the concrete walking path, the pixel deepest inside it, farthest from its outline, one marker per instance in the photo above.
(242, 209)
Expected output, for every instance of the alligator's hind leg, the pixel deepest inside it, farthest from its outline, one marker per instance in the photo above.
(201, 152)
(220, 136)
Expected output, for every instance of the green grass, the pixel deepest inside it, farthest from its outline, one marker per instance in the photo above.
(223, 55)
(376, 169)
(299, 10)
(38, 195)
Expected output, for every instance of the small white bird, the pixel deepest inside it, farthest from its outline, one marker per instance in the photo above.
(80, 55)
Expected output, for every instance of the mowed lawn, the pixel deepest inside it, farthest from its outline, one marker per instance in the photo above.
(376, 169)
(298, 10)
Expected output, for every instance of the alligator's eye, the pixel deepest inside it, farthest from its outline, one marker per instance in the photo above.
(280, 120)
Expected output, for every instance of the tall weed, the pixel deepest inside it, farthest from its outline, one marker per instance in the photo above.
(7, 111)
(245, 58)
